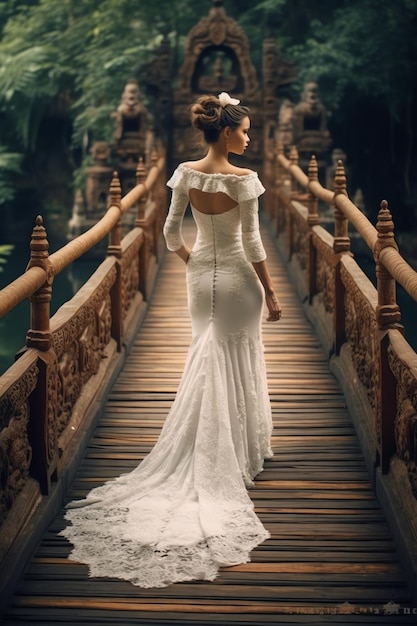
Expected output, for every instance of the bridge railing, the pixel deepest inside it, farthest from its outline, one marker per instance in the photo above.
(51, 394)
(359, 324)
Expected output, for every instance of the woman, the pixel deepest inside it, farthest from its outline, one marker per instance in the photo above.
(185, 511)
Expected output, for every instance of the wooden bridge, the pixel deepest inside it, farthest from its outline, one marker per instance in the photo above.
(337, 496)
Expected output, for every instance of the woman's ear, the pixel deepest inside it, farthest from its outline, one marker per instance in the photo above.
(227, 130)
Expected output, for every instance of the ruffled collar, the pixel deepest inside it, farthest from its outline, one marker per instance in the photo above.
(238, 187)
(184, 167)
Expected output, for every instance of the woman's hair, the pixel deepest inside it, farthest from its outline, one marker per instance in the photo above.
(208, 115)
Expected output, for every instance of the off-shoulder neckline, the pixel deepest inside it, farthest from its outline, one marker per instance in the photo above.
(217, 174)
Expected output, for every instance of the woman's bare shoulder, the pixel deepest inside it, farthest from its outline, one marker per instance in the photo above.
(241, 171)
(193, 165)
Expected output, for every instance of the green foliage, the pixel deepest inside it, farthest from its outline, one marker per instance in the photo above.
(80, 173)
(81, 52)
(10, 163)
(5, 250)
(90, 48)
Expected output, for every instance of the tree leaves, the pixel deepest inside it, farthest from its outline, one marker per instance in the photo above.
(10, 163)
(358, 50)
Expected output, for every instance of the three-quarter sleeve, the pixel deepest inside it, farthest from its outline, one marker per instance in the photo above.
(251, 237)
(173, 223)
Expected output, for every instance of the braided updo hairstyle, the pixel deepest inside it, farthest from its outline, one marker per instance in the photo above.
(210, 117)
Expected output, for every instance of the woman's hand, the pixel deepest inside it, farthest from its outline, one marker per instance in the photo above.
(274, 307)
(184, 253)
(272, 302)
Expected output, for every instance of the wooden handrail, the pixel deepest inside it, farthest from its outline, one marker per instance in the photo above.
(391, 258)
(295, 170)
(74, 249)
(50, 396)
(359, 324)
(364, 227)
(27, 284)
(20, 289)
(400, 270)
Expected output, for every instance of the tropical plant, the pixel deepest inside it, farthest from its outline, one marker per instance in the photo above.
(5, 250)
(72, 58)
(10, 163)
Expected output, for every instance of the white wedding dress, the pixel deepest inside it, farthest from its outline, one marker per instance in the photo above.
(185, 511)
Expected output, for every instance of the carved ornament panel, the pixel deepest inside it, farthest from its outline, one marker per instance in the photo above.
(406, 417)
(15, 449)
(360, 328)
(325, 268)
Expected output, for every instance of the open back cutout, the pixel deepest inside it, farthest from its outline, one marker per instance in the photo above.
(211, 203)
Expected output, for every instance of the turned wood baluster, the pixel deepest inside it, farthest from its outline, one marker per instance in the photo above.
(115, 249)
(313, 220)
(388, 316)
(42, 427)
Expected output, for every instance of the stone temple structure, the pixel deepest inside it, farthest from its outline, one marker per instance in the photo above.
(132, 139)
(305, 126)
(216, 58)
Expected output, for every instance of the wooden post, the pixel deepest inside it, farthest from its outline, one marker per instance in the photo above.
(39, 335)
(387, 316)
(140, 180)
(313, 220)
(156, 198)
(279, 185)
(294, 188)
(115, 236)
(341, 245)
(313, 203)
(141, 222)
(293, 158)
(341, 233)
(115, 249)
(42, 427)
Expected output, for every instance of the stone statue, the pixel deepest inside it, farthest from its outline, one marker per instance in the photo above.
(132, 137)
(217, 80)
(285, 123)
(310, 113)
(337, 155)
(131, 114)
(311, 135)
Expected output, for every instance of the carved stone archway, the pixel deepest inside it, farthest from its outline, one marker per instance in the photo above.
(216, 58)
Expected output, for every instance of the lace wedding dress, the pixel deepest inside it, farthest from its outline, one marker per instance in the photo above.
(185, 511)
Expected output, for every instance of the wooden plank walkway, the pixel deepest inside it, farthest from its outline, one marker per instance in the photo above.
(331, 558)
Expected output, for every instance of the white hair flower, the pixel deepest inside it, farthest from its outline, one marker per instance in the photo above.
(225, 99)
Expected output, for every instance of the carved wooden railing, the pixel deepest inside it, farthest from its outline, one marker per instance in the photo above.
(359, 325)
(50, 395)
